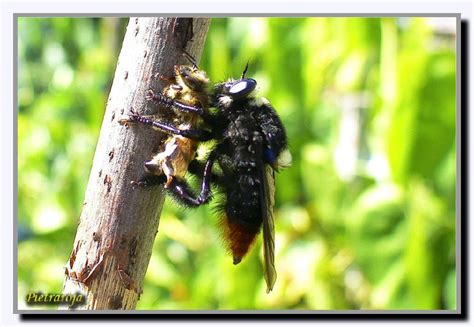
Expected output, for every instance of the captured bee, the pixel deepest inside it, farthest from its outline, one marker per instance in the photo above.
(187, 90)
(251, 144)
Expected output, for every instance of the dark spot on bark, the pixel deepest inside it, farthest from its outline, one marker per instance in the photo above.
(125, 75)
(132, 252)
(127, 281)
(115, 302)
(111, 155)
(73, 275)
(113, 116)
(145, 54)
(123, 242)
(121, 111)
(72, 258)
(85, 272)
(100, 173)
(96, 237)
(108, 183)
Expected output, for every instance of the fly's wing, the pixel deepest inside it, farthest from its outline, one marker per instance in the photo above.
(268, 202)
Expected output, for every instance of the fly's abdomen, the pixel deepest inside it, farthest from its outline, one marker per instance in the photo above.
(243, 220)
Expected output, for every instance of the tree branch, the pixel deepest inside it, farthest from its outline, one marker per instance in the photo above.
(118, 224)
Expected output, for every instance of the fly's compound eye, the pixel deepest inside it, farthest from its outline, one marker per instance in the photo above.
(241, 88)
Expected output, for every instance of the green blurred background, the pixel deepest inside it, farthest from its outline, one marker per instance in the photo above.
(365, 217)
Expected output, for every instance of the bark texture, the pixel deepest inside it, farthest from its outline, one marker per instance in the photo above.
(118, 223)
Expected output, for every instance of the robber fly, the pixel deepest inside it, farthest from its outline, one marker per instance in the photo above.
(250, 145)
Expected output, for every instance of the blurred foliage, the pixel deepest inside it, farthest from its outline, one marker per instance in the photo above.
(365, 217)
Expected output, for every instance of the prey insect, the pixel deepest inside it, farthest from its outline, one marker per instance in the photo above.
(186, 97)
(250, 145)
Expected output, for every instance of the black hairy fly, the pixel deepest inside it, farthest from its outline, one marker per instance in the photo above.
(250, 145)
